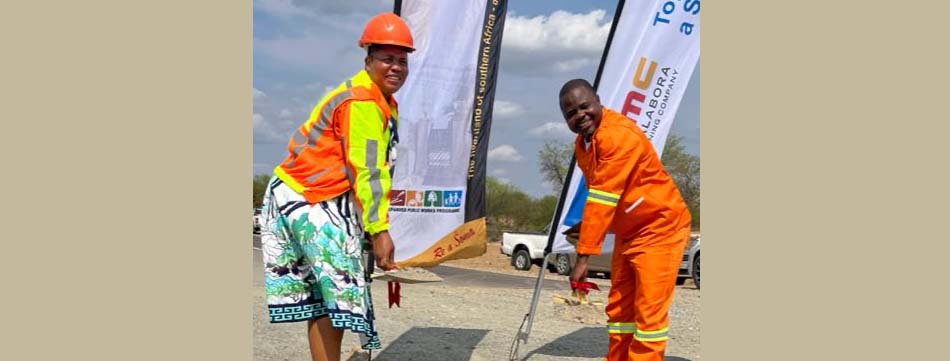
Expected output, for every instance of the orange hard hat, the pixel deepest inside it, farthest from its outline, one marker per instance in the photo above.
(387, 29)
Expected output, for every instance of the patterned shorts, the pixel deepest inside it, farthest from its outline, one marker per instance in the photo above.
(313, 260)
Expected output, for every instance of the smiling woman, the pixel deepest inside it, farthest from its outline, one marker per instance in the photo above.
(388, 66)
(330, 192)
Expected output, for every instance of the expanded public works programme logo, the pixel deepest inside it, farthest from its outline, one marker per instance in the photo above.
(446, 201)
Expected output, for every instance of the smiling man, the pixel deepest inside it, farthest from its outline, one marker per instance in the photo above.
(631, 194)
(331, 190)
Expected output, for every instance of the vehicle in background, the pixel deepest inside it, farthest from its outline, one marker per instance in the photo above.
(689, 267)
(600, 263)
(257, 220)
(564, 262)
(524, 249)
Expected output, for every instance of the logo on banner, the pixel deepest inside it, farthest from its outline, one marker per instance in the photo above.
(433, 199)
(427, 201)
(397, 198)
(413, 198)
(452, 198)
(646, 103)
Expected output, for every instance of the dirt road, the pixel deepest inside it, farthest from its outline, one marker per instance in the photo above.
(468, 317)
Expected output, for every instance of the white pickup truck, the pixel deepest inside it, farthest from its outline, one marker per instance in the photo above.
(528, 248)
(524, 248)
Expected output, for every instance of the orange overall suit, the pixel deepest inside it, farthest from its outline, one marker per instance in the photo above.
(632, 195)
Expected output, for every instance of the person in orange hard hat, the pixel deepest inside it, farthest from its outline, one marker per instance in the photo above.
(632, 195)
(331, 192)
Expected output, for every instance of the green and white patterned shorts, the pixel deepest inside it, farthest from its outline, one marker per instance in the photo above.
(313, 260)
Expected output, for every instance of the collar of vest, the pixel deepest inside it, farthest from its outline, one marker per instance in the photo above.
(363, 88)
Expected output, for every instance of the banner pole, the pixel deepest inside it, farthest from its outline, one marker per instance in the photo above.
(552, 231)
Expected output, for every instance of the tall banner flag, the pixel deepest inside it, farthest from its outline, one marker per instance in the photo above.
(438, 199)
(651, 56)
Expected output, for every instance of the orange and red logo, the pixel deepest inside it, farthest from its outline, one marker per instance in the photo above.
(633, 105)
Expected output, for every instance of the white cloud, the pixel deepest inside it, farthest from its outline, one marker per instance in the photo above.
(311, 8)
(552, 129)
(266, 131)
(285, 113)
(505, 153)
(559, 31)
(570, 65)
(498, 172)
(344, 7)
(281, 8)
(505, 108)
(259, 94)
(561, 42)
(299, 52)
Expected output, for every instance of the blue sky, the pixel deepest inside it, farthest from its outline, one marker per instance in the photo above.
(304, 48)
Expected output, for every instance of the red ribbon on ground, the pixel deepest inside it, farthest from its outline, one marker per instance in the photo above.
(584, 287)
(394, 293)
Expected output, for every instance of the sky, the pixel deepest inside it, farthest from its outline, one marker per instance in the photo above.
(304, 48)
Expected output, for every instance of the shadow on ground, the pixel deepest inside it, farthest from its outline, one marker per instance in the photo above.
(588, 342)
(433, 344)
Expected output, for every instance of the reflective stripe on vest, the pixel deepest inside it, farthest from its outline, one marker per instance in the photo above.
(652, 336)
(621, 327)
(606, 198)
(374, 184)
(320, 124)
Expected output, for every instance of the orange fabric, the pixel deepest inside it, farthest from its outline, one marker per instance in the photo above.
(622, 161)
(317, 160)
(387, 29)
(632, 195)
(641, 291)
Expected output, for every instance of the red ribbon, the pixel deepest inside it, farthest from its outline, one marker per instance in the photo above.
(584, 287)
(393, 293)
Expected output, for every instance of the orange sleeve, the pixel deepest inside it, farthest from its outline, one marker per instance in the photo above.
(616, 157)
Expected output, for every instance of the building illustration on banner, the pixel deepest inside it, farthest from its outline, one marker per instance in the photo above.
(434, 147)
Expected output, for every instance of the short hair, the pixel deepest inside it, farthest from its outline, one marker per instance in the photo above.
(573, 84)
(371, 48)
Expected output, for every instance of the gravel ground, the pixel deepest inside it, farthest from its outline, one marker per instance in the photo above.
(446, 321)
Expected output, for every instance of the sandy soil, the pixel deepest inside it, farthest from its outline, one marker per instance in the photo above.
(446, 321)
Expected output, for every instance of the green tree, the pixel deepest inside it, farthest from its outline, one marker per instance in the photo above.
(553, 161)
(684, 168)
(260, 184)
(542, 212)
(509, 209)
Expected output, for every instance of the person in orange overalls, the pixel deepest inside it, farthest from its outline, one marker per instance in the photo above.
(632, 195)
